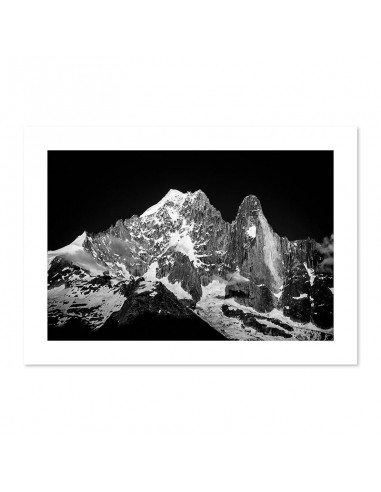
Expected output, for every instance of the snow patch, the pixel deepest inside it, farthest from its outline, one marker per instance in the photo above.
(252, 231)
(126, 273)
(183, 244)
(277, 295)
(151, 272)
(302, 296)
(173, 214)
(215, 289)
(310, 273)
(209, 308)
(175, 288)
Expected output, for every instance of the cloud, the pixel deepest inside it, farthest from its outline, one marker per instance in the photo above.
(326, 248)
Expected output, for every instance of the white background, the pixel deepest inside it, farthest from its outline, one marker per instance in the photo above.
(200, 62)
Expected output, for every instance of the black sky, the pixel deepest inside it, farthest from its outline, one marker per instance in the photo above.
(91, 190)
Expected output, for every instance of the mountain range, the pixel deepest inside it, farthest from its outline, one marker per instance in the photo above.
(179, 271)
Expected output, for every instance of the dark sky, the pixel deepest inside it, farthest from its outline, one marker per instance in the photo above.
(91, 190)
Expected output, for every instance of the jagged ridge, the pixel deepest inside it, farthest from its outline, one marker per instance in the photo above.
(184, 242)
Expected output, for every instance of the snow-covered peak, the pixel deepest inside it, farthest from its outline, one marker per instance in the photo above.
(177, 198)
(78, 241)
(76, 245)
(174, 196)
(75, 253)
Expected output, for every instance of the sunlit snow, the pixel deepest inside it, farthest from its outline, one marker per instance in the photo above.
(75, 253)
(252, 231)
(175, 288)
(302, 296)
(278, 294)
(183, 244)
(310, 273)
(151, 272)
(126, 273)
(70, 301)
(172, 195)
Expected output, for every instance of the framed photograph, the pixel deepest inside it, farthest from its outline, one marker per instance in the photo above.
(190, 245)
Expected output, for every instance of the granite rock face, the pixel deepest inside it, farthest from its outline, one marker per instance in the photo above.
(178, 268)
(254, 249)
(184, 243)
(307, 293)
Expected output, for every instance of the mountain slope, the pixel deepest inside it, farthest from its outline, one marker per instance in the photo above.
(183, 243)
(137, 310)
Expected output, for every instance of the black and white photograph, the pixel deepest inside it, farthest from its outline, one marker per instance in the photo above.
(190, 233)
(224, 245)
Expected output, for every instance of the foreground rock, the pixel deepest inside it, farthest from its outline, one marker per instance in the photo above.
(149, 311)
